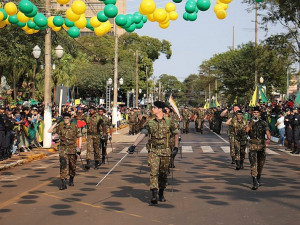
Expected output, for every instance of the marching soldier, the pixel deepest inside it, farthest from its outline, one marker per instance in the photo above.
(186, 115)
(68, 134)
(132, 121)
(199, 117)
(288, 128)
(159, 130)
(217, 121)
(296, 126)
(257, 129)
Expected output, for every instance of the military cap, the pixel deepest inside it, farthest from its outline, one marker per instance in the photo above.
(288, 109)
(159, 104)
(66, 114)
(239, 112)
(256, 108)
(101, 108)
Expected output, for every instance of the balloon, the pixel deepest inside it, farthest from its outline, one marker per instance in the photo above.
(160, 15)
(145, 19)
(258, 1)
(69, 23)
(106, 2)
(25, 6)
(22, 18)
(71, 15)
(13, 19)
(101, 16)
(58, 21)
(21, 24)
(4, 14)
(62, 2)
(225, 1)
(131, 28)
(150, 17)
(192, 16)
(106, 26)
(173, 15)
(203, 5)
(88, 24)
(99, 31)
(43, 28)
(137, 17)
(121, 20)
(65, 27)
(185, 16)
(218, 7)
(7, 21)
(190, 7)
(30, 31)
(1, 16)
(170, 7)
(147, 7)
(139, 25)
(81, 23)
(50, 21)
(167, 19)
(31, 24)
(110, 10)
(221, 14)
(2, 24)
(33, 12)
(56, 29)
(164, 25)
(74, 32)
(177, 1)
(224, 6)
(129, 21)
(10, 8)
(40, 20)
(95, 22)
(78, 7)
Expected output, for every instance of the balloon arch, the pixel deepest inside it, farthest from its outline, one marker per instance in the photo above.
(27, 17)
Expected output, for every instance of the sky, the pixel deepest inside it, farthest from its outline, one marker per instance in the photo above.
(194, 42)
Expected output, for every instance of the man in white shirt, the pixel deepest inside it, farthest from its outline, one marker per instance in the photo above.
(281, 127)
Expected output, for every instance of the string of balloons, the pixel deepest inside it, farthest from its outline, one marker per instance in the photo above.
(27, 17)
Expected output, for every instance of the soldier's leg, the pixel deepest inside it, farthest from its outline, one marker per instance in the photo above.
(253, 167)
(187, 126)
(242, 156)
(183, 126)
(163, 174)
(63, 161)
(103, 149)
(154, 161)
(201, 126)
(231, 145)
(72, 158)
(289, 137)
(261, 159)
(130, 129)
(237, 157)
(97, 151)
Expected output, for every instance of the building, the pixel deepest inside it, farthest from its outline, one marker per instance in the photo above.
(92, 9)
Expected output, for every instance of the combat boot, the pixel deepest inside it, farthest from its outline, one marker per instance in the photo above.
(63, 185)
(103, 159)
(161, 196)
(88, 164)
(237, 163)
(97, 164)
(232, 160)
(258, 179)
(295, 152)
(71, 181)
(242, 164)
(255, 183)
(154, 196)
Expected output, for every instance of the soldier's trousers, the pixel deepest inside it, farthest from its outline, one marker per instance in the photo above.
(103, 146)
(296, 138)
(93, 147)
(200, 124)
(289, 136)
(158, 170)
(239, 150)
(257, 161)
(231, 144)
(186, 125)
(67, 165)
(132, 128)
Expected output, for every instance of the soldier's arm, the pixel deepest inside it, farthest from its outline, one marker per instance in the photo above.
(228, 122)
(142, 135)
(53, 128)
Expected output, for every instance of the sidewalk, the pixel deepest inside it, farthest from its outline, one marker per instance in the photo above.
(40, 153)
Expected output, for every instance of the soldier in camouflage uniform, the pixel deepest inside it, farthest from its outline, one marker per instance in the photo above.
(68, 134)
(238, 125)
(95, 126)
(186, 115)
(103, 137)
(199, 118)
(257, 129)
(159, 130)
(132, 120)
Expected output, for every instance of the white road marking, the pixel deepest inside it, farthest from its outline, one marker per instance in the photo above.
(207, 149)
(144, 151)
(124, 151)
(187, 149)
(225, 149)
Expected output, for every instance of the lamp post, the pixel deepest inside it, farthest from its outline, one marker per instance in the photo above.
(59, 51)
(108, 88)
(36, 52)
(133, 99)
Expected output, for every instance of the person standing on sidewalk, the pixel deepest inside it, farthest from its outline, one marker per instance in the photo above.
(281, 128)
(159, 129)
(257, 129)
(288, 128)
(68, 134)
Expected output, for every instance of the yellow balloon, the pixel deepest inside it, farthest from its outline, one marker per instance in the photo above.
(2, 24)
(221, 14)
(225, 6)
(147, 7)
(56, 29)
(1, 16)
(10, 8)
(164, 25)
(78, 7)
(7, 21)
(62, 2)
(81, 23)
(167, 19)
(0, 5)
(160, 15)
(71, 15)
(65, 27)
(25, 28)
(218, 7)
(225, 1)
(173, 15)
(170, 7)
(150, 17)
(22, 18)
(95, 22)
(35, 31)
(106, 26)
(30, 31)
(50, 21)
(99, 31)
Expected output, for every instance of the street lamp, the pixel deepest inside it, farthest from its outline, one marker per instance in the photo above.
(108, 88)
(59, 51)
(261, 80)
(36, 54)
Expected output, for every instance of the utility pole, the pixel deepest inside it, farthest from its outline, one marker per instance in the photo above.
(48, 87)
(115, 105)
(209, 94)
(256, 43)
(136, 77)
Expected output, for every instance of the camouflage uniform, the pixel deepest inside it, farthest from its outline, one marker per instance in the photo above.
(257, 153)
(132, 121)
(159, 132)
(67, 148)
(200, 120)
(240, 137)
(186, 114)
(103, 135)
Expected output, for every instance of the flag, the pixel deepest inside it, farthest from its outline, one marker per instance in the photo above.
(253, 100)
(173, 104)
(262, 96)
(217, 103)
(297, 99)
(206, 106)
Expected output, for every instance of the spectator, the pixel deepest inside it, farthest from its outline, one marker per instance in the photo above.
(281, 127)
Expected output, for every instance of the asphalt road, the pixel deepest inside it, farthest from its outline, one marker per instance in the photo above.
(205, 189)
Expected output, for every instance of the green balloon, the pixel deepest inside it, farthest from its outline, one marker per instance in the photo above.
(106, 2)
(139, 25)
(203, 5)
(131, 28)
(258, 1)
(20, 24)
(69, 23)
(25, 6)
(185, 16)
(110, 10)
(102, 17)
(145, 19)
(58, 21)
(33, 12)
(74, 32)
(40, 20)
(121, 20)
(88, 24)
(42, 28)
(13, 19)
(31, 24)
(190, 7)
(192, 16)
(137, 17)
(177, 1)
(4, 13)
(92, 29)
(129, 21)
